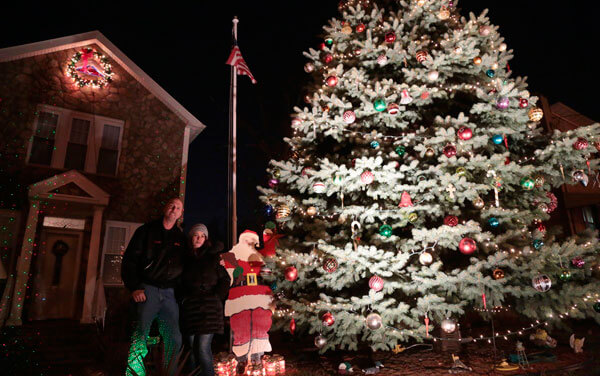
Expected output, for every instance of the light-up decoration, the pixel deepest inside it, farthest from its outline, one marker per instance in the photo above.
(226, 366)
(89, 67)
(274, 365)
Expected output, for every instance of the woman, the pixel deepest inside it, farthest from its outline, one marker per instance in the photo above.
(204, 287)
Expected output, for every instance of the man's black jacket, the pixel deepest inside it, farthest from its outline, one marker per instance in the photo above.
(154, 256)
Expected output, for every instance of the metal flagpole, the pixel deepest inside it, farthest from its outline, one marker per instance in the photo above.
(232, 199)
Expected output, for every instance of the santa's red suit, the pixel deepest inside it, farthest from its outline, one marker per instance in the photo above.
(248, 304)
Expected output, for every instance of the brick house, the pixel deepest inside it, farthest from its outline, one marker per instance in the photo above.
(91, 146)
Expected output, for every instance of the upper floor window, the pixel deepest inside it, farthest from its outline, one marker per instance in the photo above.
(73, 140)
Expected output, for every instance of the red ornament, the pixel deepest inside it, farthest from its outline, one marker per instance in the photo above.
(332, 81)
(330, 265)
(465, 133)
(553, 204)
(360, 28)
(580, 144)
(393, 109)
(451, 220)
(376, 283)
(322, 46)
(450, 150)
(507, 160)
(390, 37)
(523, 103)
(421, 56)
(291, 273)
(367, 177)
(541, 227)
(425, 95)
(328, 319)
(405, 200)
(467, 246)
(292, 326)
(328, 58)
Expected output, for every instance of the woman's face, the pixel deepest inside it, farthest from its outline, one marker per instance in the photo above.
(198, 239)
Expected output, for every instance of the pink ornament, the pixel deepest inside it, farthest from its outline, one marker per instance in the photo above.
(449, 150)
(292, 326)
(578, 262)
(393, 109)
(405, 200)
(553, 204)
(376, 283)
(328, 319)
(467, 246)
(367, 177)
(382, 60)
(405, 97)
(291, 273)
(273, 183)
(349, 117)
(451, 220)
(465, 133)
(580, 144)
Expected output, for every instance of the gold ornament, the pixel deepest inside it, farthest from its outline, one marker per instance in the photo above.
(311, 211)
(539, 181)
(444, 13)
(461, 171)
(347, 29)
(412, 217)
(421, 2)
(429, 153)
(478, 203)
(536, 114)
(477, 60)
(276, 173)
(283, 211)
(498, 273)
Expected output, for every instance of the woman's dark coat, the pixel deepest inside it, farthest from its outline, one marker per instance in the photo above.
(204, 287)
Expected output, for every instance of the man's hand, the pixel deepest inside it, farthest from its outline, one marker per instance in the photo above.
(138, 296)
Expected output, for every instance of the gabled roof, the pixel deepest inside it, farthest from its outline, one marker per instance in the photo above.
(96, 37)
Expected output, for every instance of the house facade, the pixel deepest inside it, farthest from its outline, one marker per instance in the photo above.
(91, 147)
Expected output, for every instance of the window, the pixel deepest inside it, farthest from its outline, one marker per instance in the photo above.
(73, 140)
(116, 237)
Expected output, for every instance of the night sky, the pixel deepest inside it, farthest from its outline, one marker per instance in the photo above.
(183, 47)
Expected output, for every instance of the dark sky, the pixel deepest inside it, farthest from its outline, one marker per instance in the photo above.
(183, 47)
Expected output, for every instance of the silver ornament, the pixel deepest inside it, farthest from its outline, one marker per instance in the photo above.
(320, 341)
(373, 321)
(425, 258)
(448, 325)
(542, 283)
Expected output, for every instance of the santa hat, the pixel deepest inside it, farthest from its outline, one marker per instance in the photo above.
(249, 235)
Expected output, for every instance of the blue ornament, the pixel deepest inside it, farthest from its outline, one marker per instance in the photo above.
(269, 210)
(493, 222)
(374, 144)
(497, 139)
(273, 286)
(538, 243)
(490, 73)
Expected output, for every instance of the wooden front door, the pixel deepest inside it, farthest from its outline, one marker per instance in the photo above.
(56, 275)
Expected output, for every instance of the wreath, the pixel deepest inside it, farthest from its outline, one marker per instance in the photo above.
(89, 67)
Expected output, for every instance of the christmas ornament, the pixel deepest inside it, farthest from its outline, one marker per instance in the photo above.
(444, 13)
(360, 28)
(449, 150)
(538, 243)
(382, 60)
(433, 75)
(429, 153)
(527, 183)
(373, 321)
(283, 211)
(497, 139)
(385, 230)
(307, 98)
(276, 173)
(461, 171)
(320, 341)
(329, 42)
(292, 326)
(478, 203)
(349, 117)
(347, 29)
(539, 181)
(490, 73)
(523, 103)
(578, 262)
(421, 56)
(357, 52)
(319, 187)
(424, 95)
(296, 122)
(366, 177)
(541, 227)
(379, 105)
(448, 325)
(465, 133)
(332, 81)
(374, 144)
(458, 50)
(498, 273)
(543, 207)
(330, 265)
(477, 60)
(325, 108)
(541, 283)
(400, 150)
(580, 176)
(390, 37)
(421, 2)
(493, 222)
(412, 217)
(553, 202)
(425, 258)
(328, 58)
(312, 211)
(376, 283)
(268, 210)
(451, 220)
(328, 319)
(405, 200)
(291, 273)
(580, 144)
(322, 46)
(565, 276)
(535, 114)
(405, 97)
(502, 47)
(467, 246)
(484, 30)
(273, 183)
(306, 171)
(337, 180)
(597, 307)
(502, 103)
(345, 368)
(393, 109)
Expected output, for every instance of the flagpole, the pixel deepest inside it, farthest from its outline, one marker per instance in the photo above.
(233, 145)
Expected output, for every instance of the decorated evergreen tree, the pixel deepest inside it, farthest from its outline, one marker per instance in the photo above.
(419, 182)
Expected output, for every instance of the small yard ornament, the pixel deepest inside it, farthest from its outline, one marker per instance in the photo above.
(458, 365)
(541, 338)
(373, 370)
(345, 368)
(576, 344)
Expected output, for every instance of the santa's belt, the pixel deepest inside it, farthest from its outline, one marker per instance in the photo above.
(250, 279)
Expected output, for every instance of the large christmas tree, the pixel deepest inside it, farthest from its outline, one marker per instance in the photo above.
(419, 182)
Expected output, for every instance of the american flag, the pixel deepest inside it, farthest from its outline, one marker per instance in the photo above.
(235, 59)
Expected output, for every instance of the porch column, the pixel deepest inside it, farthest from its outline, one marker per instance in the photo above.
(92, 266)
(16, 297)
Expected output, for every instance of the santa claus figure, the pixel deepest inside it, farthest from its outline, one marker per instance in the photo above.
(249, 303)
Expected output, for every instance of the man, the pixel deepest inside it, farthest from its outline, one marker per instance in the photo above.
(151, 267)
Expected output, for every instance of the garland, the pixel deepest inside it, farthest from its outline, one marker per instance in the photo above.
(89, 67)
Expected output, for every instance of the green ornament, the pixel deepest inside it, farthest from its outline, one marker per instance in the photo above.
(385, 230)
(461, 171)
(400, 150)
(379, 105)
(329, 42)
(565, 276)
(527, 183)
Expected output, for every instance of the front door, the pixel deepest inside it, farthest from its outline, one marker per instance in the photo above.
(56, 275)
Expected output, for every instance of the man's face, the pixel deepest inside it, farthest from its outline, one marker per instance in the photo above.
(173, 210)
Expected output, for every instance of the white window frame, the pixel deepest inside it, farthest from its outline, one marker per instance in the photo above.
(63, 134)
(130, 228)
